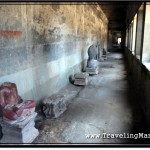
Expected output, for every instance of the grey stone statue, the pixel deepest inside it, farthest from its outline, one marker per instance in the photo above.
(99, 51)
(93, 56)
(93, 52)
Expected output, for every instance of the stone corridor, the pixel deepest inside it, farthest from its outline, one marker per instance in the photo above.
(107, 104)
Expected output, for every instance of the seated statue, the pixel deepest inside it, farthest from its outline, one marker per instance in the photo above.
(93, 56)
(12, 106)
(92, 63)
(93, 52)
(8, 94)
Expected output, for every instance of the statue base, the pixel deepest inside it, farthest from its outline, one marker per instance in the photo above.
(81, 78)
(81, 81)
(104, 57)
(101, 59)
(24, 133)
(92, 71)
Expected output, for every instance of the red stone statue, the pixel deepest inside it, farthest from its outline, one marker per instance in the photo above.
(11, 103)
(8, 94)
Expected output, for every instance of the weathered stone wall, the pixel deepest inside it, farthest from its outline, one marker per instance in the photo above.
(138, 72)
(132, 10)
(42, 45)
(140, 77)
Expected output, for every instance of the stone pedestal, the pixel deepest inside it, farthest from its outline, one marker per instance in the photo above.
(81, 81)
(104, 51)
(104, 57)
(92, 71)
(81, 78)
(101, 59)
(24, 132)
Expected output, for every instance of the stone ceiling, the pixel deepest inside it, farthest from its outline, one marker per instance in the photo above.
(115, 11)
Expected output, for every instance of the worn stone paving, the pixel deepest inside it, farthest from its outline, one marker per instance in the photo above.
(106, 105)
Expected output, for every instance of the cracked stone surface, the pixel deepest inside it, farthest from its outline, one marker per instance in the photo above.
(106, 105)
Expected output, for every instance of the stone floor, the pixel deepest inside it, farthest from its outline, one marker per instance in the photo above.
(106, 105)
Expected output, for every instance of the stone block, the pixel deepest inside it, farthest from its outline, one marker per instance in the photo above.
(81, 75)
(92, 71)
(53, 106)
(81, 78)
(81, 81)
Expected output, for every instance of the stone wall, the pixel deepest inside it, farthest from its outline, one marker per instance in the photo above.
(140, 79)
(132, 10)
(41, 45)
(140, 75)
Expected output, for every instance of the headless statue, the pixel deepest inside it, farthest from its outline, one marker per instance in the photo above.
(93, 56)
(8, 94)
(12, 106)
(92, 52)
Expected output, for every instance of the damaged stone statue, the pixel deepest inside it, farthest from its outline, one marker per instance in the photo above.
(16, 114)
(13, 107)
(92, 63)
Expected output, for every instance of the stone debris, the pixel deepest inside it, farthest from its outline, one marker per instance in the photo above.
(81, 78)
(53, 106)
